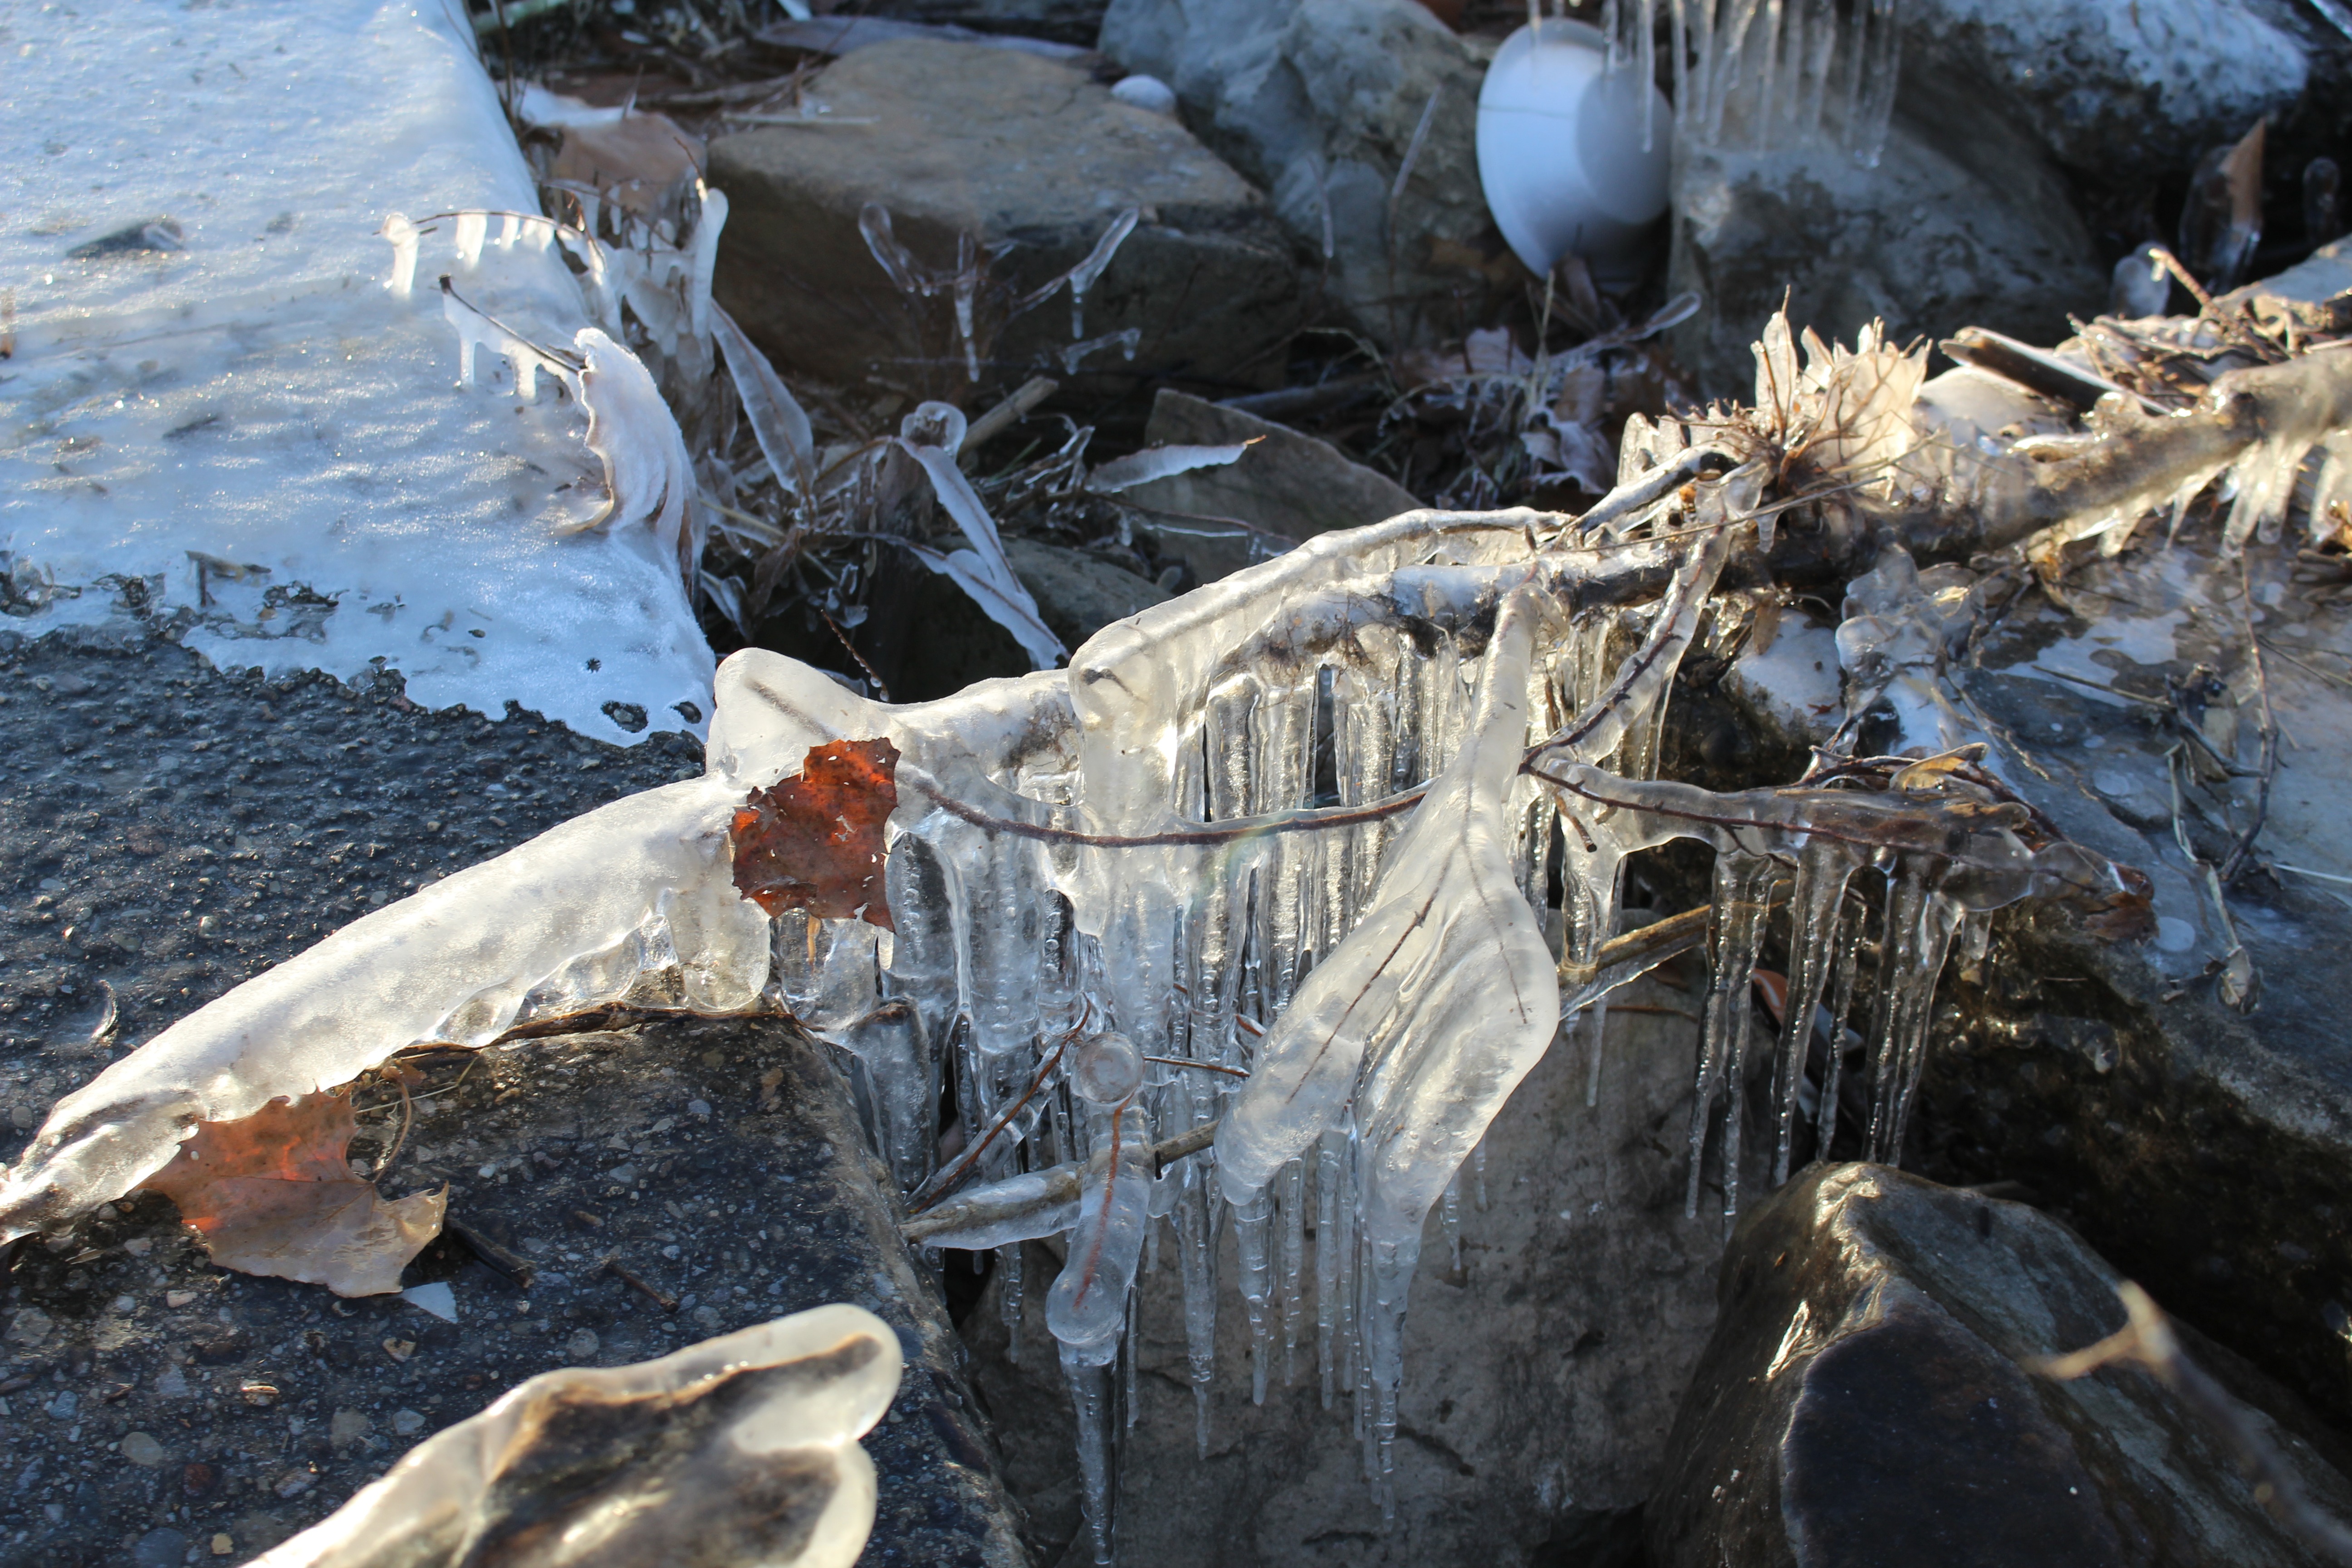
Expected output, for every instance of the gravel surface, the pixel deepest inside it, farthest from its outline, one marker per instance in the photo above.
(168, 831)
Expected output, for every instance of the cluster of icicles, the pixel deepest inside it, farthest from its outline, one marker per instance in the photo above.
(1758, 76)
(1282, 873)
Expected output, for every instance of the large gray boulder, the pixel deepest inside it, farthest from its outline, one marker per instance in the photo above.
(1316, 101)
(958, 140)
(2119, 91)
(1862, 1402)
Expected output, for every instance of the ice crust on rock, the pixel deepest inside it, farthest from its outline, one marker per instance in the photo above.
(740, 1449)
(255, 397)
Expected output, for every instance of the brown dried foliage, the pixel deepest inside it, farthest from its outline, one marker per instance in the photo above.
(815, 842)
(273, 1194)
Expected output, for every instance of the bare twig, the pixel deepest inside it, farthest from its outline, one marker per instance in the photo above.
(2148, 1339)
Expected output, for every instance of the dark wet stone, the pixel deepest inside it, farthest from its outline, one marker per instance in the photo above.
(1864, 1401)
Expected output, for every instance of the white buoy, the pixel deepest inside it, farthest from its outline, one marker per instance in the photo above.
(1561, 153)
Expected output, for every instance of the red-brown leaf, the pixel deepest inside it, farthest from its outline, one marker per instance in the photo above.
(815, 842)
(273, 1194)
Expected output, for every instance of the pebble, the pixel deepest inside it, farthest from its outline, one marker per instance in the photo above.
(348, 1427)
(294, 1483)
(63, 1407)
(171, 1384)
(142, 1449)
(407, 1423)
(175, 1300)
(222, 1546)
(583, 1345)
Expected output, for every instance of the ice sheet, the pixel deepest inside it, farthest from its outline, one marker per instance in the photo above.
(258, 398)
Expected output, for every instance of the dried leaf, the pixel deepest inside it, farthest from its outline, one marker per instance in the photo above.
(272, 1193)
(815, 842)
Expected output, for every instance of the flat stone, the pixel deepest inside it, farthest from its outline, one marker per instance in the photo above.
(1012, 149)
(2204, 1150)
(781, 1153)
(1077, 594)
(142, 1448)
(1863, 1401)
(1292, 485)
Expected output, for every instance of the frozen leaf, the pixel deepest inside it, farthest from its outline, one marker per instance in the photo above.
(647, 471)
(1160, 462)
(815, 842)
(984, 565)
(777, 420)
(273, 1195)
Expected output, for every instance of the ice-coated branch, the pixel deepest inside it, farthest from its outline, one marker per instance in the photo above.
(571, 918)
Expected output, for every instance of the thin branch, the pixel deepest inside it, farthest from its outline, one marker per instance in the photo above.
(2148, 1339)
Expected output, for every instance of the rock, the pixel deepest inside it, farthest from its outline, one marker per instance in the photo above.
(1011, 149)
(2205, 1151)
(142, 1449)
(1946, 231)
(782, 1150)
(952, 642)
(1077, 594)
(159, 1548)
(2119, 92)
(1539, 1379)
(1062, 21)
(1316, 101)
(1289, 484)
(1862, 1400)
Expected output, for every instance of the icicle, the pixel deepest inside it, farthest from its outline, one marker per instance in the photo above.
(1823, 870)
(1198, 1259)
(1012, 1297)
(1090, 1384)
(1087, 273)
(966, 287)
(1075, 356)
(404, 237)
(1330, 1151)
(1742, 882)
(1253, 1228)
(1478, 1174)
(1291, 1200)
(472, 228)
(1645, 67)
(705, 259)
(1587, 1030)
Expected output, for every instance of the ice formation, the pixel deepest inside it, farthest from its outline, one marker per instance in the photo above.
(739, 1450)
(1759, 75)
(250, 395)
(1269, 865)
